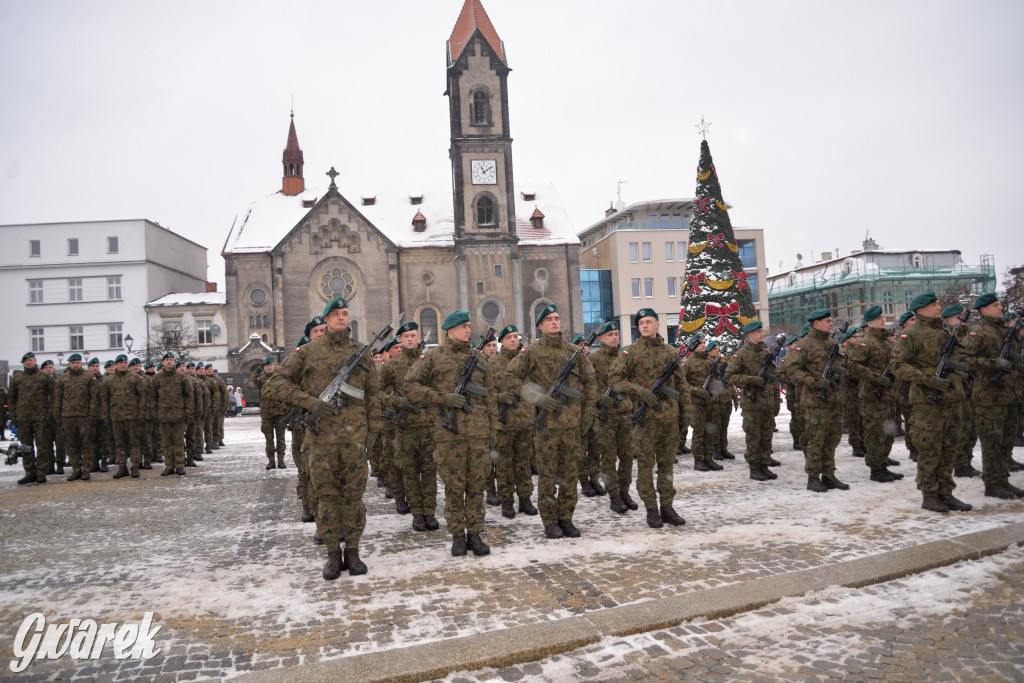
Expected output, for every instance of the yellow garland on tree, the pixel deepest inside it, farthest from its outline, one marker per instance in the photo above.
(692, 326)
(720, 285)
(697, 248)
(721, 206)
(732, 247)
(744, 321)
(704, 176)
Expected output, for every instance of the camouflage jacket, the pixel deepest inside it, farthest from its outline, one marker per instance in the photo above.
(807, 367)
(742, 369)
(392, 385)
(515, 418)
(123, 397)
(638, 366)
(984, 344)
(202, 395)
(72, 396)
(867, 361)
(307, 372)
(147, 409)
(602, 360)
(532, 373)
(214, 388)
(269, 407)
(792, 393)
(31, 395)
(221, 402)
(171, 395)
(915, 358)
(697, 366)
(436, 373)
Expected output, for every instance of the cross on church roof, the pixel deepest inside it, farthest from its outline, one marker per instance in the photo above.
(332, 174)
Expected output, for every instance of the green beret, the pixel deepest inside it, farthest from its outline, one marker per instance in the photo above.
(752, 326)
(149, 364)
(178, 363)
(120, 357)
(391, 342)
(472, 344)
(712, 343)
(303, 340)
(578, 339)
(872, 313)
(134, 361)
(406, 327)
(317, 321)
(507, 330)
(792, 340)
(108, 364)
(545, 312)
(1012, 315)
(27, 356)
(921, 300)
(454, 319)
(94, 361)
(609, 326)
(984, 300)
(905, 317)
(190, 364)
(804, 330)
(644, 313)
(165, 356)
(849, 333)
(819, 314)
(268, 360)
(46, 362)
(955, 309)
(336, 302)
(74, 356)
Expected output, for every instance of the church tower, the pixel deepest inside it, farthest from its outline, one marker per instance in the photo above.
(487, 255)
(293, 183)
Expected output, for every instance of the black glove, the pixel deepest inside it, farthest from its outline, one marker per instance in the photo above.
(769, 377)
(453, 400)
(402, 403)
(322, 408)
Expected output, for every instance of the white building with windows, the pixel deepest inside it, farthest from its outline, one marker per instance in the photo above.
(83, 287)
(198, 317)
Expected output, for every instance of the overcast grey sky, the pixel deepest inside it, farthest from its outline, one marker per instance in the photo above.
(830, 119)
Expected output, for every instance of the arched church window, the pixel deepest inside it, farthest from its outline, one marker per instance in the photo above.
(336, 281)
(481, 108)
(266, 321)
(428, 325)
(485, 212)
(252, 321)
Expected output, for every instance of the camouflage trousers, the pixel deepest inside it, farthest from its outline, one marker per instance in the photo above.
(172, 443)
(126, 442)
(208, 432)
(706, 425)
(514, 447)
(878, 421)
(905, 410)
(218, 425)
(590, 457)
(463, 465)
(655, 443)
(392, 472)
(414, 455)
(757, 427)
(192, 437)
(796, 416)
(615, 438)
(146, 445)
(60, 457)
(823, 430)
(78, 441)
(338, 472)
(35, 434)
(558, 456)
(273, 433)
(309, 490)
(852, 422)
(967, 433)
(299, 458)
(103, 440)
(725, 415)
(933, 430)
(997, 429)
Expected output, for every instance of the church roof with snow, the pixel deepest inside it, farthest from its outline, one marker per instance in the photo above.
(191, 299)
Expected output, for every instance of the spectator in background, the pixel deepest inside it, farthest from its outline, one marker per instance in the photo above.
(239, 401)
(231, 401)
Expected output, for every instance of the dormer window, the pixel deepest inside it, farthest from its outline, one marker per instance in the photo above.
(369, 200)
(308, 202)
(419, 222)
(415, 199)
(529, 196)
(537, 219)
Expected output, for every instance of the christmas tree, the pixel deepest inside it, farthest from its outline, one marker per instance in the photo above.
(716, 300)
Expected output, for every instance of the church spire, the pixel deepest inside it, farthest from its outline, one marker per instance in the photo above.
(473, 18)
(293, 182)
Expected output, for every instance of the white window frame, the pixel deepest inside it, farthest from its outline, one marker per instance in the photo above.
(634, 252)
(671, 286)
(114, 288)
(37, 336)
(35, 291)
(76, 331)
(681, 249)
(670, 252)
(635, 285)
(115, 335)
(645, 251)
(35, 249)
(204, 330)
(648, 287)
(75, 285)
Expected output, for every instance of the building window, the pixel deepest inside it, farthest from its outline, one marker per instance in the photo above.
(648, 287)
(596, 287)
(490, 311)
(485, 212)
(480, 288)
(670, 251)
(428, 325)
(204, 331)
(75, 289)
(634, 252)
(33, 248)
(112, 245)
(114, 288)
(497, 270)
(635, 287)
(35, 291)
(115, 336)
(266, 321)
(334, 282)
(76, 337)
(671, 286)
(747, 253)
(73, 246)
(752, 281)
(252, 322)
(681, 251)
(646, 250)
(257, 296)
(36, 334)
(481, 106)
(264, 338)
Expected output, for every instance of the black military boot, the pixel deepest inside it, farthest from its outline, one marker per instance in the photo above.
(913, 456)
(53, 469)
(190, 461)
(381, 483)
(796, 445)
(526, 507)
(492, 497)
(270, 465)
(999, 491)
(458, 545)
(209, 448)
(418, 523)
(167, 472)
(701, 466)
(28, 479)
(122, 472)
(568, 529)
(859, 452)
(955, 503)
(220, 443)
(332, 569)
(768, 473)
(477, 545)
(180, 471)
(401, 506)
(103, 466)
(586, 488)
(966, 471)
(158, 459)
(896, 476)
(628, 502)
(933, 504)
(725, 455)
(683, 450)
(387, 493)
(59, 469)
(85, 475)
(599, 489)
(814, 484)
(654, 518)
(198, 457)
(1019, 492)
(317, 538)
(40, 478)
(830, 481)
(881, 476)
(431, 522)
(713, 466)
(1014, 466)
(135, 472)
(553, 531)
(758, 475)
(356, 567)
(508, 509)
(307, 515)
(617, 505)
(75, 476)
(95, 467)
(892, 463)
(670, 516)
(772, 462)
(280, 462)
(146, 466)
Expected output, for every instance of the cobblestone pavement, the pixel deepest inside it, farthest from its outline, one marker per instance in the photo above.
(962, 622)
(222, 558)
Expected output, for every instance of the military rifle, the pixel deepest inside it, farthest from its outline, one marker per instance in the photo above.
(558, 390)
(946, 363)
(830, 361)
(516, 400)
(778, 341)
(15, 451)
(659, 387)
(465, 387)
(339, 390)
(1007, 351)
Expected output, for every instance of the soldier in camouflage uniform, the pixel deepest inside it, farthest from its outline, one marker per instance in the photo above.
(851, 399)
(337, 454)
(145, 421)
(463, 458)
(867, 362)
(389, 462)
(967, 435)
(613, 427)
(655, 440)
(53, 428)
(72, 402)
(173, 399)
(271, 412)
(514, 440)
(300, 449)
(102, 439)
(819, 399)
(205, 373)
(221, 408)
(995, 397)
(123, 398)
(757, 398)
(414, 442)
(202, 412)
(488, 351)
(31, 404)
(728, 403)
(915, 359)
(706, 414)
(558, 452)
(903, 388)
(591, 466)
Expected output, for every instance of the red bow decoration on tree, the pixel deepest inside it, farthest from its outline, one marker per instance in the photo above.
(702, 205)
(741, 280)
(723, 313)
(693, 281)
(717, 240)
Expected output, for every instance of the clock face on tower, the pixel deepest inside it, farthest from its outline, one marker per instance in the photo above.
(484, 172)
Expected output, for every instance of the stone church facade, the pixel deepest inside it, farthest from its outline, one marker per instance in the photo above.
(498, 249)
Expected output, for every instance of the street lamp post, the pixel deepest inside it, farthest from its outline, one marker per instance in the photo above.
(60, 358)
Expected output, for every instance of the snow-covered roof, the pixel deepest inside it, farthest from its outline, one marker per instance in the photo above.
(191, 299)
(264, 223)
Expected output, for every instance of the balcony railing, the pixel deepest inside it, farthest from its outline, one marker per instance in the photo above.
(781, 287)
